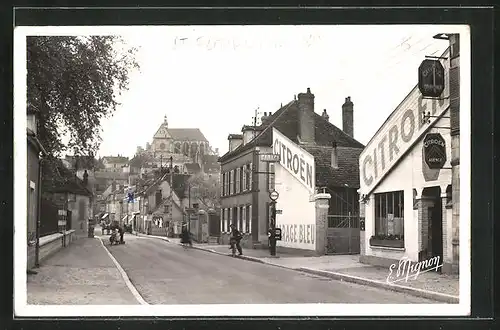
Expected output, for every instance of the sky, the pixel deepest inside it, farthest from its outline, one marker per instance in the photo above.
(214, 77)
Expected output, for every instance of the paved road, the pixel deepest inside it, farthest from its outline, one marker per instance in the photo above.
(166, 273)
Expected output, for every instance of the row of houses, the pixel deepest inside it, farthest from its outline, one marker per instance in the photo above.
(159, 204)
(387, 200)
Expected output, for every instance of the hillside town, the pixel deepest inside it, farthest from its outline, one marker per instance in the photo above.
(299, 192)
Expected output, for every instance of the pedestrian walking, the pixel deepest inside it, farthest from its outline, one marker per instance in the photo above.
(236, 237)
(186, 235)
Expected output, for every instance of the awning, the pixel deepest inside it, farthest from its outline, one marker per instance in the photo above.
(105, 215)
(125, 217)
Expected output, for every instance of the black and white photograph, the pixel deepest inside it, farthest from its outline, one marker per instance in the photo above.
(242, 170)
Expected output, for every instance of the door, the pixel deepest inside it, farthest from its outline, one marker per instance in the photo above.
(342, 235)
(435, 236)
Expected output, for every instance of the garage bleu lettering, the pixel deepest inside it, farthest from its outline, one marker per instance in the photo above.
(379, 159)
(294, 163)
(297, 233)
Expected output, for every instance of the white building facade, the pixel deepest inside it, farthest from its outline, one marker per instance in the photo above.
(405, 184)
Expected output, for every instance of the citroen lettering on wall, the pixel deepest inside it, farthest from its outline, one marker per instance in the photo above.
(298, 162)
(434, 150)
(398, 134)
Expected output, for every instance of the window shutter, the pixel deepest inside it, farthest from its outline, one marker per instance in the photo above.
(237, 220)
(251, 177)
(222, 220)
(250, 220)
(244, 179)
(237, 180)
(244, 218)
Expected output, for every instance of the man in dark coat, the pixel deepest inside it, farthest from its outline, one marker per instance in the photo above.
(235, 238)
(186, 235)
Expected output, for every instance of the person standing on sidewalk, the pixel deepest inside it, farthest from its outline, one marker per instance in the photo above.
(236, 237)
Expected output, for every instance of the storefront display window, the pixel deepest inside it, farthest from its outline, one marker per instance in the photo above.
(389, 219)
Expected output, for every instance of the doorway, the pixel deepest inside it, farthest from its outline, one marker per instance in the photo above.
(435, 225)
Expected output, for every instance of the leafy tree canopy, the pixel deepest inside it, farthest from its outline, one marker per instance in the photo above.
(207, 188)
(73, 82)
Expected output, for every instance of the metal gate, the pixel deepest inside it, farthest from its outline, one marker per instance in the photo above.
(342, 234)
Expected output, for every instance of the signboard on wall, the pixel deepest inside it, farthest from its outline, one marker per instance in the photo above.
(431, 78)
(434, 151)
(398, 134)
(297, 161)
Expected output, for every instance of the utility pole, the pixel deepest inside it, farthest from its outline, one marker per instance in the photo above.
(272, 230)
(171, 213)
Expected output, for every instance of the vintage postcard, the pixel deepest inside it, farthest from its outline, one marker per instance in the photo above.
(242, 170)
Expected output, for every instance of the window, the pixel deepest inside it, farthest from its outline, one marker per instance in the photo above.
(237, 218)
(242, 186)
(250, 176)
(244, 226)
(270, 176)
(230, 211)
(237, 172)
(241, 225)
(389, 214)
(244, 178)
(234, 182)
(230, 183)
(223, 185)
(249, 218)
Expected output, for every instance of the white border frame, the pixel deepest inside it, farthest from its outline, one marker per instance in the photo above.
(22, 309)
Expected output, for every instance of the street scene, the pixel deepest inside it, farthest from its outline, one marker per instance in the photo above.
(166, 273)
(171, 173)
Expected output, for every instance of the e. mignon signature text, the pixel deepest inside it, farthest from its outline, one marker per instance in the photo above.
(406, 269)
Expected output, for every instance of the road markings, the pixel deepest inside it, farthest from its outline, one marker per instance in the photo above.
(125, 277)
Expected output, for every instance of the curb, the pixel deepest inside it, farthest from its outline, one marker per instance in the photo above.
(392, 287)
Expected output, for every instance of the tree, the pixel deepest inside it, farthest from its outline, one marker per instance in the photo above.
(207, 188)
(73, 83)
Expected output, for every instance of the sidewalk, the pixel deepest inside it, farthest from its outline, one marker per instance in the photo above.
(81, 274)
(444, 288)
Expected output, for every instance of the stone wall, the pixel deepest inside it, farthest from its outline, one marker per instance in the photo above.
(51, 244)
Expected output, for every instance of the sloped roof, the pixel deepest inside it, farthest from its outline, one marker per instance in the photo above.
(192, 167)
(115, 159)
(187, 134)
(286, 120)
(65, 180)
(110, 175)
(345, 175)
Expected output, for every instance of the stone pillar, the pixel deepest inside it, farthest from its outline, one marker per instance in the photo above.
(423, 225)
(447, 258)
(454, 82)
(362, 243)
(322, 204)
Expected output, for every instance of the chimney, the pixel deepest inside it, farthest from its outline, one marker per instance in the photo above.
(348, 117)
(335, 156)
(325, 115)
(306, 116)
(264, 120)
(234, 141)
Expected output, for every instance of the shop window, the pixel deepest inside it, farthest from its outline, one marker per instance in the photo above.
(389, 216)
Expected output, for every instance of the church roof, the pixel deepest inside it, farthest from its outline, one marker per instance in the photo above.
(187, 134)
